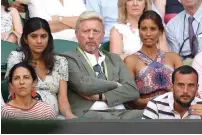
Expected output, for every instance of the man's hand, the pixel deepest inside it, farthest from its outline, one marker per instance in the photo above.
(55, 18)
(196, 109)
(92, 98)
(119, 85)
(70, 116)
(18, 5)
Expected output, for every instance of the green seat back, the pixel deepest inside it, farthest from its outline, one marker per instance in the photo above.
(105, 46)
(61, 46)
(6, 48)
(4, 90)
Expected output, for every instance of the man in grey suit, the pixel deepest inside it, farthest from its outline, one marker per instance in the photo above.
(99, 83)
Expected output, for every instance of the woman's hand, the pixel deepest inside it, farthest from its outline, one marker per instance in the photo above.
(70, 116)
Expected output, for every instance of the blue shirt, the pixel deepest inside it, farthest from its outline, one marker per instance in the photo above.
(108, 9)
(177, 32)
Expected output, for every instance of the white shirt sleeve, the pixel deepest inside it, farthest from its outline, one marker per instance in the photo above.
(77, 7)
(37, 8)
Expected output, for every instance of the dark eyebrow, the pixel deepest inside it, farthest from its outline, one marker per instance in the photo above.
(191, 84)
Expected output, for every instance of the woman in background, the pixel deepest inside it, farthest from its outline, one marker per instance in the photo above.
(124, 36)
(11, 25)
(168, 8)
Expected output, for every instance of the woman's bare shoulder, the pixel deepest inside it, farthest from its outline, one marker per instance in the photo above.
(131, 59)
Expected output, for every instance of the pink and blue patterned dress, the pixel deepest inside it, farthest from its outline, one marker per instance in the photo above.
(155, 78)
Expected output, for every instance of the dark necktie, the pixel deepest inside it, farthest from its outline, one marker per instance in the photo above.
(192, 37)
(101, 75)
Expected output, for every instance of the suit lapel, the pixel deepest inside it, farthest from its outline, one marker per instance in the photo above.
(85, 64)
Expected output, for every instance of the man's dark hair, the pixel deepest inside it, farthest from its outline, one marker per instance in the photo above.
(184, 70)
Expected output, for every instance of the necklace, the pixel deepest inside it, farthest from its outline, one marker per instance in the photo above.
(134, 30)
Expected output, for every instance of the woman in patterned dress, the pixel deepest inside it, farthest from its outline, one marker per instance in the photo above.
(52, 70)
(22, 81)
(151, 67)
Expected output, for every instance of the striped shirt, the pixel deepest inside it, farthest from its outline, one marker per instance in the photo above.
(39, 111)
(177, 32)
(162, 107)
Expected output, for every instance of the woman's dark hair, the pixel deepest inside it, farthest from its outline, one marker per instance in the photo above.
(24, 65)
(47, 55)
(153, 16)
(5, 4)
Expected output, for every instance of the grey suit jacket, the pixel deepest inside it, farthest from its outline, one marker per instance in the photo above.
(82, 80)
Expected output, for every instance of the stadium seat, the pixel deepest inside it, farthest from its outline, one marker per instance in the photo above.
(61, 46)
(4, 90)
(6, 48)
(105, 46)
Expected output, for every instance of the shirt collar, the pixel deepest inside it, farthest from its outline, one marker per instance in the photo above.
(198, 15)
(92, 58)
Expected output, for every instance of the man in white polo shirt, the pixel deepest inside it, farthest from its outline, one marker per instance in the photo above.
(182, 103)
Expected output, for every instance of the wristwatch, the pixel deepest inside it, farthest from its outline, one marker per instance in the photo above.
(100, 96)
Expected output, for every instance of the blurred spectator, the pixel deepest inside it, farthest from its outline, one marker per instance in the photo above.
(20, 5)
(60, 14)
(11, 25)
(150, 67)
(124, 36)
(22, 81)
(182, 102)
(109, 10)
(168, 8)
(184, 32)
(197, 64)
